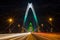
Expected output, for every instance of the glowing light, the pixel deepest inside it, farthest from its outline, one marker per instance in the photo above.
(18, 25)
(34, 14)
(7, 36)
(30, 28)
(50, 19)
(30, 5)
(10, 20)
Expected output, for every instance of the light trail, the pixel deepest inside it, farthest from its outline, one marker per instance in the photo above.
(30, 36)
(7, 36)
(48, 36)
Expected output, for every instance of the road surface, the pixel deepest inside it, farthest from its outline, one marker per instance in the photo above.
(30, 36)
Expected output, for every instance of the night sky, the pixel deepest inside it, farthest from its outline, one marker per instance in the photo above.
(17, 8)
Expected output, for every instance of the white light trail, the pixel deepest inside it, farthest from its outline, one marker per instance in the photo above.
(7, 36)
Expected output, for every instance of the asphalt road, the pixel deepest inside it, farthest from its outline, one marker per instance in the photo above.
(30, 36)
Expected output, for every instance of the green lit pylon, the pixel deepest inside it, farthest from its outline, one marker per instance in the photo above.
(30, 27)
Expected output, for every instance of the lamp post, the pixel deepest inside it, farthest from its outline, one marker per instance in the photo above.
(19, 27)
(50, 21)
(10, 21)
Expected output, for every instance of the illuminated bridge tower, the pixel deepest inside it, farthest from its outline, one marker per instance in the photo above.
(30, 18)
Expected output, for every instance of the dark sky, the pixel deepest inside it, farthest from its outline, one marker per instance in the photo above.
(17, 8)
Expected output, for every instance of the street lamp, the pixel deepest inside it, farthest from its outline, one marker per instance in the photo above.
(10, 21)
(19, 27)
(50, 21)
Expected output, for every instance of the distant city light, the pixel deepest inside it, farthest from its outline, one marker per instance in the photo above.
(18, 25)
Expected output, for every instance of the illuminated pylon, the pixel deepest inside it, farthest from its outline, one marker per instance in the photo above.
(30, 6)
(30, 28)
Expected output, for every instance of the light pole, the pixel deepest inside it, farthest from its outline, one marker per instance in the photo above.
(50, 21)
(10, 21)
(19, 27)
